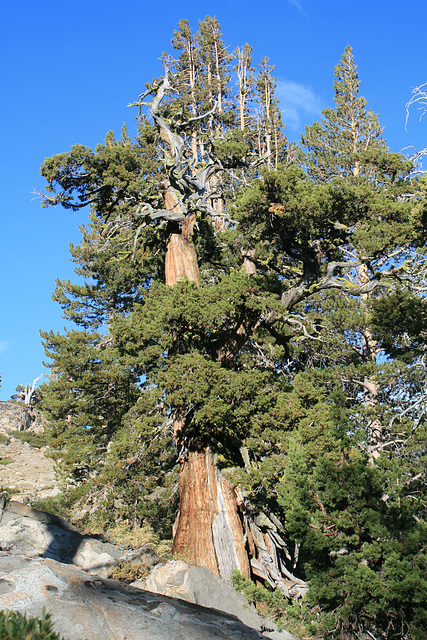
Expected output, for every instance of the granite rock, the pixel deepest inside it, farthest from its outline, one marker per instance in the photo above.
(178, 579)
(84, 607)
(39, 534)
(15, 416)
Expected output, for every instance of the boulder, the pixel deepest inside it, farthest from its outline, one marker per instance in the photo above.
(39, 534)
(199, 585)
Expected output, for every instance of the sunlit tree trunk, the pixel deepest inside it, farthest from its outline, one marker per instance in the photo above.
(208, 530)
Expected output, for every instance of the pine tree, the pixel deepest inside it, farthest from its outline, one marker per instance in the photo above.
(338, 145)
(347, 145)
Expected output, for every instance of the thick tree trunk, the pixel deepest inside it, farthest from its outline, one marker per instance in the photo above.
(181, 257)
(208, 530)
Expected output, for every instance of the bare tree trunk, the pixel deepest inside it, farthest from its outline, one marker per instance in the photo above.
(208, 530)
(181, 257)
(249, 261)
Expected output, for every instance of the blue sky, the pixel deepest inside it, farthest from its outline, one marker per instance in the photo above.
(68, 70)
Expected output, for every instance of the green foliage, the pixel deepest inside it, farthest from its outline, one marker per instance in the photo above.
(399, 322)
(355, 541)
(59, 505)
(6, 493)
(138, 537)
(15, 626)
(353, 130)
(295, 617)
(377, 588)
(128, 572)
(36, 440)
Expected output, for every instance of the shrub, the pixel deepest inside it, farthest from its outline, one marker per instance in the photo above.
(127, 572)
(36, 440)
(295, 617)
(6, 493)
(15, 626)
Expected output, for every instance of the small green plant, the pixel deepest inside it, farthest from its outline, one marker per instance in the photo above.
(127, 572)
(296, 617)
(138, 537)
(5, 461)
(62, 504)
(15, 626)
(56, 505)
(7, 492)
(3, 439)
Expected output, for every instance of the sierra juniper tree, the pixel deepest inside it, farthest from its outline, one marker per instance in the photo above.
(222, 285)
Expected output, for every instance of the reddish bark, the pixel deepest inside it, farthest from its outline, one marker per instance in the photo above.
(181, 257)
(208, 530)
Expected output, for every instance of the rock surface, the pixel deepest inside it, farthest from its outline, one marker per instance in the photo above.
(46, 562)
(38, 534)
(30, 473)
(200, 586)
(25, 469)
(42, 558)
(88, 608)
(19, 417)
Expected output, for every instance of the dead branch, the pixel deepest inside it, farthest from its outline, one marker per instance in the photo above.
(419, 97)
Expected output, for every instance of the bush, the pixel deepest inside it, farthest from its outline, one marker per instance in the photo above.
(127, 572)
(295, 617)
(122, 534)
(15, 626)
(35, 440)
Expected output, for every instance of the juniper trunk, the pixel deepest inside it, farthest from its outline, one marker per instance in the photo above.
(208, 530)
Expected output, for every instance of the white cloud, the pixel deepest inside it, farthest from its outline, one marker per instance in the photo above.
(298, 104)
(296, 4)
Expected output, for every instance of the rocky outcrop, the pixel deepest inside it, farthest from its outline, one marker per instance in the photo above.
(178, 579)
(46, 562)
(15, 416)
(26, 470)
(39, 534)
(87, 608)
